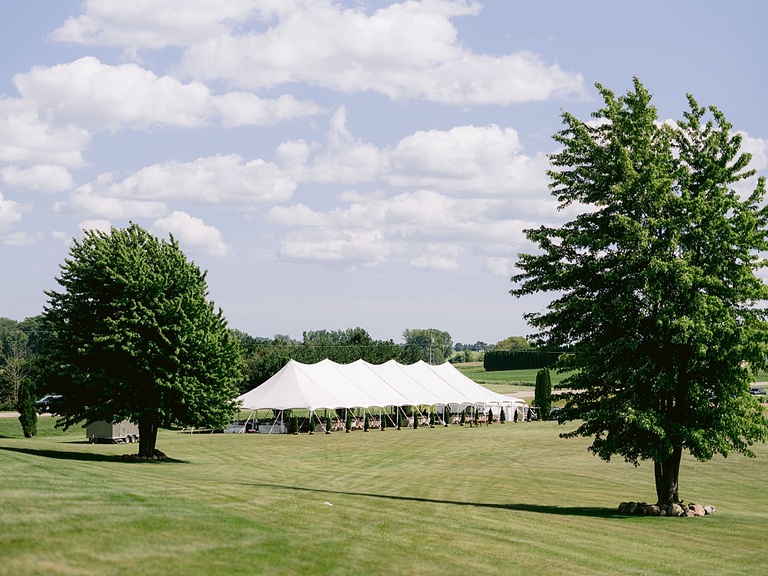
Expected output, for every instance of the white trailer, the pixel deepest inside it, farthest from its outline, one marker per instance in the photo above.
(107, 432)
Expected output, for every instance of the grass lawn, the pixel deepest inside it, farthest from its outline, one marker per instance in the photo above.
(505, 381)
(504, 499)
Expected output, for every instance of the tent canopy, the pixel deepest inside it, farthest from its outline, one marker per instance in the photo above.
(328, 385)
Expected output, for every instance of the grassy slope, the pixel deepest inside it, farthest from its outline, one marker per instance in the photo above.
(505, 499)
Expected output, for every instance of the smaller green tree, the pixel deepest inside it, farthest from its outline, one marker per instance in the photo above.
(327, 424)
(383, 421)
(348, 421)
(367, 422)
(490, 416)
(502, 415)
(25, 405)
(543, 393)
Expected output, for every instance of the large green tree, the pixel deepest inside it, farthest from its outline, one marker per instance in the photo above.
(655, 284)
(435, 345)
(134, 336)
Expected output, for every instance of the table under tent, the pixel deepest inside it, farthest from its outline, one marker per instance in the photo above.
(373, 395)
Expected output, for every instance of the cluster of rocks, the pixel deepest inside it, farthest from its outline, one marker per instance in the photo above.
(680, 510)
(157, 456)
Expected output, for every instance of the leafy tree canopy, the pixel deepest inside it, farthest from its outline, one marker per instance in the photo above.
(655, 282)
(435, 345)
(134, 337)
(513, 343)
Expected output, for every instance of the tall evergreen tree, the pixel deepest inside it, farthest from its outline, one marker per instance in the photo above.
(656, 285)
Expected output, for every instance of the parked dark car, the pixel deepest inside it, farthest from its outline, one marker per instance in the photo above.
(47, 404)
(757, 391)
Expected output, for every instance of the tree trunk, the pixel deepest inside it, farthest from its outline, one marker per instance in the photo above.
(667, 472)
(147, 436)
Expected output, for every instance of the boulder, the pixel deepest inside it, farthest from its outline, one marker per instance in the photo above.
(675, 510)
(698, 510)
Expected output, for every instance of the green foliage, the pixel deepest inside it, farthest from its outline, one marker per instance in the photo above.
(367, 422)
(656, 284)
(502, 415)
(514, 343)
(14, 361)
(348, 421)
(264, 358)
(518, 359)
(25, 406)
(543, 393)
(435, 346)
(133, 336)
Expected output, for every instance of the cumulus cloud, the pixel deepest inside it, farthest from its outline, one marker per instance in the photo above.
(758, 147)
(87, 201)
(25, 137)
(220, 179)
(404, 50)
(98, 97)
(10, 213)
(22, 238)
(192, 234)
(347, 247)
(151, 24)
(39, 178)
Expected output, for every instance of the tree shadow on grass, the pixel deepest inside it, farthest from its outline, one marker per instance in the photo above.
(81, 456)
(590, 511)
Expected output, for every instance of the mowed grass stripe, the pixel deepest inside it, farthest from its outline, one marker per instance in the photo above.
(504, 499)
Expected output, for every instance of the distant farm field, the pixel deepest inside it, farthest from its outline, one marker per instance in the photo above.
(504, 381)
(510, 498)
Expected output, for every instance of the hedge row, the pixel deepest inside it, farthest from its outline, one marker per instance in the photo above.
(518, 360)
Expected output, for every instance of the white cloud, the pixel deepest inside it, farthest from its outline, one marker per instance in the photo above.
(220, 179)
(348, 247)
(27, 138)
(436, 256)
(10, 213)
(85, 201)
(38, 178)
(405, 50)
(98, 96)
(22, 238)
(467, 160)
(192, 234)
(345, 159)
(101, 225)
(758, 147)
(151, 24)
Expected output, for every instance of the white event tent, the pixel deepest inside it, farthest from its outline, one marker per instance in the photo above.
(327, 385)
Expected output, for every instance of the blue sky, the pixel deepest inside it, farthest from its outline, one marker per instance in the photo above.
(334, 164)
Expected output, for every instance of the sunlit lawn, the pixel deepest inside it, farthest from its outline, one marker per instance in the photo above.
(504, 499)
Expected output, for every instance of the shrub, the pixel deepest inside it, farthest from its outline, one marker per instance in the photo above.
(502, 415)
(367, 423)
(543, 394)
(25, 406)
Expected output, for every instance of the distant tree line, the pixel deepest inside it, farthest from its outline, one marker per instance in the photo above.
(263, 358)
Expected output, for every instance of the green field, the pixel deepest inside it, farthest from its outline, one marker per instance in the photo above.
(505, 381)
(504, 499)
